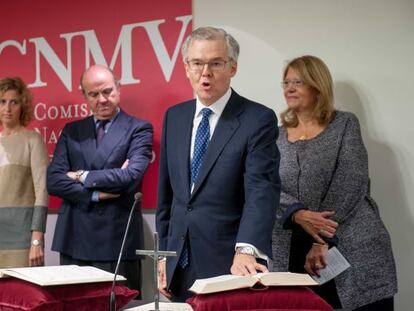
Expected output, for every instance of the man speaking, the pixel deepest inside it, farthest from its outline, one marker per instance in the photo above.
(218, 182)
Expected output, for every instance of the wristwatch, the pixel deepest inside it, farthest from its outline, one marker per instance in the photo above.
(247, 250)
(37, 243)
(79, 174)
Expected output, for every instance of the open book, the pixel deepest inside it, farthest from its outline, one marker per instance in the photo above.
(60, 275)
(336, 265)
(229, 282)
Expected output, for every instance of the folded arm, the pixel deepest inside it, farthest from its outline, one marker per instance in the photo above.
(58, 183)
(116, 180)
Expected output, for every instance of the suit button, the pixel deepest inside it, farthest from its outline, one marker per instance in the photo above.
(189, 208)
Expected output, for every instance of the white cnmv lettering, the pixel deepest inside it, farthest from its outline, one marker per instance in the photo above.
(122, 51)
(51, 112)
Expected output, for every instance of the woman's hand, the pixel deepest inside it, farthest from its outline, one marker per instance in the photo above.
(317, 224)
(316, 258)
(36, 252)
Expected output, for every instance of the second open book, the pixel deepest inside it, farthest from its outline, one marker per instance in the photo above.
(60, 275)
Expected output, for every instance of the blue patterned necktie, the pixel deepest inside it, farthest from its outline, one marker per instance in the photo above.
(200, 145)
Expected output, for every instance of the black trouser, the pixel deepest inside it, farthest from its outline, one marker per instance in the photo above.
(183, 279)
(130, 269)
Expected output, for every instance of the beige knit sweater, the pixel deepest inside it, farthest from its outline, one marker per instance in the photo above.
(23, 195)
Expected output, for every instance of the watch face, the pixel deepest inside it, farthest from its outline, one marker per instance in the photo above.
(36, 243)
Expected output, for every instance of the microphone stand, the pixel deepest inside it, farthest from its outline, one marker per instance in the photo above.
(112, 299)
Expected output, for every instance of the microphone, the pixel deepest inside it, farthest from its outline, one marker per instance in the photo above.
(112, 299)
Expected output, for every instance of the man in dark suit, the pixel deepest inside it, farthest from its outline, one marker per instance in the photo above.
(218, 181)
(96, 169)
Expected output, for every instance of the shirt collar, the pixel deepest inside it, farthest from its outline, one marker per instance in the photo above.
(110, 120)
(216, 107)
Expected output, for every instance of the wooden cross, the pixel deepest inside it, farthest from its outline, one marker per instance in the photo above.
(155, 255)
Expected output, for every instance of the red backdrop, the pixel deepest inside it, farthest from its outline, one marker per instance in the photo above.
(50, 43)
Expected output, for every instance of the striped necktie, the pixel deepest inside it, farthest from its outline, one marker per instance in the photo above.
(100, 131)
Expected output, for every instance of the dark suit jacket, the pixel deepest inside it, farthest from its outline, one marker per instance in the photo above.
(237, 191)
(94, 231)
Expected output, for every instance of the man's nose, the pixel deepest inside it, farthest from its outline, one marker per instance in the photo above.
(101, 97)
(206, 70)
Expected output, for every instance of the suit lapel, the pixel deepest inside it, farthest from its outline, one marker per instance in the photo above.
(225, 129)
(184, 130)
(87, 138)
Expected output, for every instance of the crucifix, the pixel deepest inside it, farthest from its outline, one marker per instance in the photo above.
(155, 255)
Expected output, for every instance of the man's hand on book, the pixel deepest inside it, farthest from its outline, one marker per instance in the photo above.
(246, 265)
(162, 279)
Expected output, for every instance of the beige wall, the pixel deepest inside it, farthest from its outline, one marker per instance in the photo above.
(369, 47)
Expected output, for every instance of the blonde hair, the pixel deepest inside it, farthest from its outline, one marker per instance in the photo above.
(313, 72)
(24, 94)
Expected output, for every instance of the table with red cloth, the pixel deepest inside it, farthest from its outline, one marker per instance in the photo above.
(283, 298)
(19, 295)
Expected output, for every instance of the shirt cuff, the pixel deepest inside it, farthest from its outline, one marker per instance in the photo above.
(95, 196)
(258, 253)
(82, 178)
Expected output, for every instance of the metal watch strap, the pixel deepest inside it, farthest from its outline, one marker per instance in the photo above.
(247, 250)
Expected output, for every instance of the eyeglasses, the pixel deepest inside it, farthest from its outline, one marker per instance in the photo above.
(105, 93)
(196, 65)
(296, 83)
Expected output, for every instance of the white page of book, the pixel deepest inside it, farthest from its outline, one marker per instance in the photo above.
(225, 277)
(286, 278)
(54, 275)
